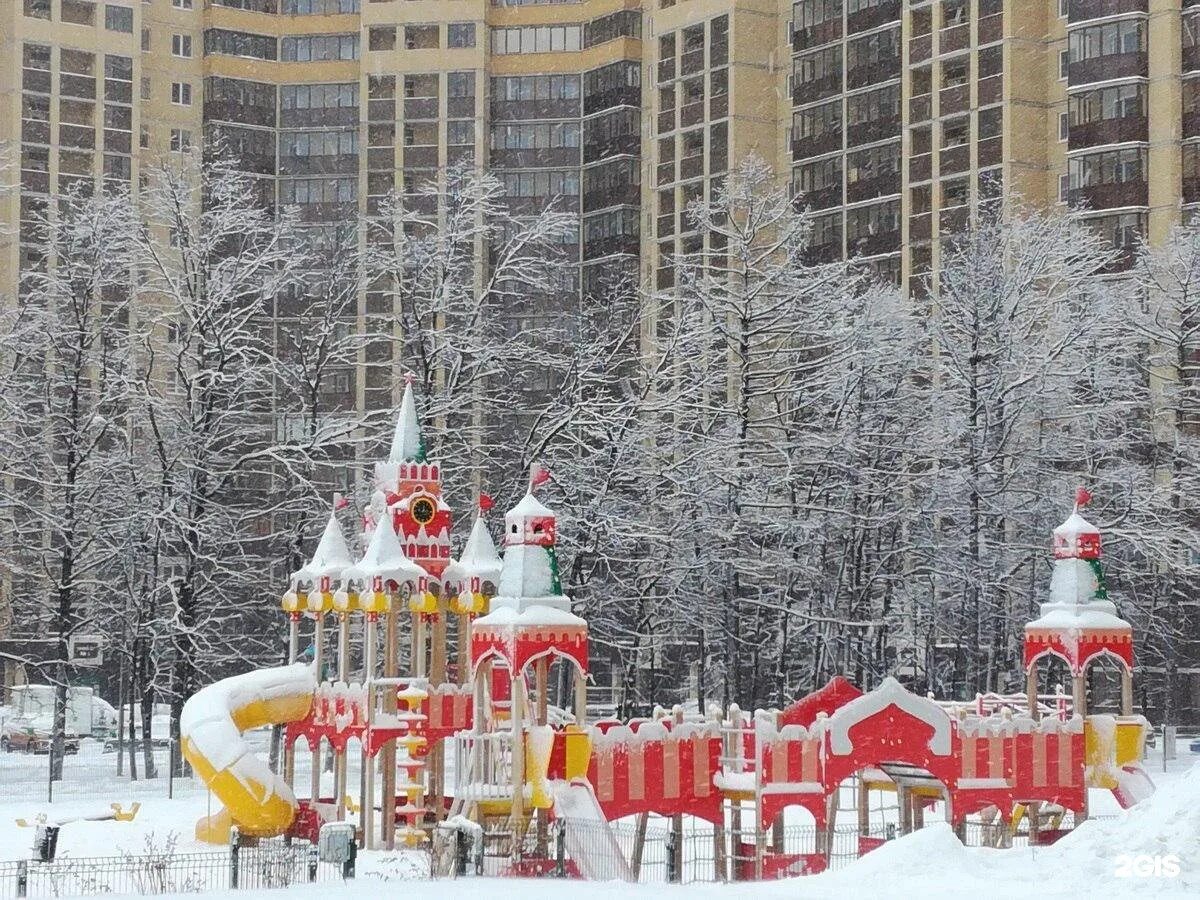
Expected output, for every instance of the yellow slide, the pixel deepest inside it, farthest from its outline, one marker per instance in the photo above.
(258, 801)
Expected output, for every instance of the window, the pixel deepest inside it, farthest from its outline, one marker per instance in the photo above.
(869, 221)
(78, 12)
(181, 45)
(316, 7)
(825, 174)
(145, 92)
(240, 43)
(145, 40)
(182, 4)
(1119, 102)
(1064, 129)
(381, 38)
(1111, 39)
(319, 47)
(421, 37)
(144, 137)
(536, 39)
(460, 34)
(37, 9)
(181, 93)
(815, 122)
(1063, 6)
(1064, 64)
(318, 96)
(181, 140)
(318, 143)
(955, 192)
(118, 18)
(809, 13)
(460, 85)
(1110, 167)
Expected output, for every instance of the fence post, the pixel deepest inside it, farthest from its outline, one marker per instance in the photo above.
(560, 848)
(235, 840)
(314, 857)
(22, 878)
(672, 859)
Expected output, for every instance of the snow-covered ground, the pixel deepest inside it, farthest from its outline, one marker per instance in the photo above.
(1114, 857)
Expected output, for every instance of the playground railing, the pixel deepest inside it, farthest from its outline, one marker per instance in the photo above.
(267, 864)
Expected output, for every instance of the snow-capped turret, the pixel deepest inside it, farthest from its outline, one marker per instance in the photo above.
(407, 443)
(313, 584)
(1078, 622)
(473, 577)
(383, 569)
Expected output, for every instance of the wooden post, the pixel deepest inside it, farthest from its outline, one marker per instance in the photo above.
(387, 756)
(541, 669)
(580, 698)
(734, 752)
(464, 648)
(289, 749)
(517, 721)
(1126, 692)
(720, 853)
(367, 800)
(1031, 691)
(420, 659)
(343, 674)
(1079, 694)
(677, 820)
(864, 806)
(437, 652)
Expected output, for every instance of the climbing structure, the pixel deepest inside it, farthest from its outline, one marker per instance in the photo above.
(511, 707)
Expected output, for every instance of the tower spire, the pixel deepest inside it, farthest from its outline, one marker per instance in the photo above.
(407, 443)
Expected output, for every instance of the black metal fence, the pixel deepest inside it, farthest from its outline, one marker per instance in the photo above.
(265, 864)
(659, 855)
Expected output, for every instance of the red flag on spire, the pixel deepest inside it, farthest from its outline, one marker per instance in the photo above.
(539, 476)
(1082, 496)
(485, 502)
(340, 501)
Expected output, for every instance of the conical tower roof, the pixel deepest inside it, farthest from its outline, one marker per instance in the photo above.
(480, 557)
(385, 557)
(407, 443)
(332, 555)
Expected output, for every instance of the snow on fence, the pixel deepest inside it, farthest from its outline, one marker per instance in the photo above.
(268, 864)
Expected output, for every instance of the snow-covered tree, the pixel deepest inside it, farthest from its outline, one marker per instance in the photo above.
(63, 407)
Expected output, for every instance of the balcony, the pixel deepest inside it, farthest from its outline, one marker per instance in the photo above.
(616, 145)
(420, 157)
(953, 160)
(1110, 196)
(920, 49)
(1191, 59)
(1105, 68)
(920, 108)
(869, 132)
(1191, 123)
(869, 188)
(517, 110)
(1191, 190)
(1083, 10)
(627, 244)
(623, 96)
(460, 107)
(920, 227)
(989, 152)
(691, 114)
(817, 89)
(821, 199)
(953, 39)
(816, 254)
(991, 29)
(1109, 131)
(874, 244)
(954, 99)
(876, 73)
(873, 17)
(613, 195)
(421, 108)
(990, 90)
(718, 106)
(822, 33)
(803, 148)
(534, 158)
(920, 168)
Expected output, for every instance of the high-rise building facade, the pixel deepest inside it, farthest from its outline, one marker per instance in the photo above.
(892, 118)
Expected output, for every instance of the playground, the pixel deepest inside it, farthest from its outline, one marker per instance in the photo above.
(479, 758)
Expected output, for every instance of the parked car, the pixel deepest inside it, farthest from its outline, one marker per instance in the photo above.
(160, 732)
(32, 734)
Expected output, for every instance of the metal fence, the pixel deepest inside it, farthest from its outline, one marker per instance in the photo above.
(267, 864)
(659, 855)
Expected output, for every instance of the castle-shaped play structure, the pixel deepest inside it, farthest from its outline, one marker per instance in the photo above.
(499, 736)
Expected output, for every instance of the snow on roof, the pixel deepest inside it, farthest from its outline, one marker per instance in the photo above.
(1100, 615)
(531, 615)
(407, 445)
(1075, 525)
(529, 506)
(332, 555)
(479, 556)
(385, 558)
